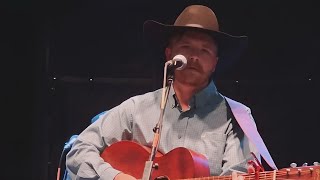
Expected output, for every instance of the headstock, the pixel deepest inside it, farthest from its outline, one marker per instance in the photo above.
(302, 172)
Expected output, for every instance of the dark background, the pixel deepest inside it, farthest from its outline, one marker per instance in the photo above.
(63, 62)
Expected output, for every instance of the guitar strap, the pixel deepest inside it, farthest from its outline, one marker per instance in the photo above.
(246, 122)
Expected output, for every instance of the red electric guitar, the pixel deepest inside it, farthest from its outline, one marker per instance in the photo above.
(181, 163)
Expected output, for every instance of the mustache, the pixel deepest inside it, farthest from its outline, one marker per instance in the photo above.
(194, 65)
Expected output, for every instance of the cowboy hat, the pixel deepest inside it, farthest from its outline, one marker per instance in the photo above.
(198, 18)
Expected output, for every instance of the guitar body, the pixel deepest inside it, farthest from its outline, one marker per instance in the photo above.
(180, 163)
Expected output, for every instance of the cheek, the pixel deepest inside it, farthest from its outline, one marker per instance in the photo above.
(210, 64)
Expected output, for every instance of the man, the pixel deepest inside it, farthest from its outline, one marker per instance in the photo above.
(196, 115)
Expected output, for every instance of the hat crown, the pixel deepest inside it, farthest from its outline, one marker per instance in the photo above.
(198, 16)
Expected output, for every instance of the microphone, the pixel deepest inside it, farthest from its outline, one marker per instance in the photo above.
(69, 143)
(178, 62)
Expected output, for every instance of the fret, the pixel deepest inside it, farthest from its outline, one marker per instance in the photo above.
(274, 174)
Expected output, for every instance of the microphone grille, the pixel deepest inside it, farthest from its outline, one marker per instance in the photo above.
(181, 58)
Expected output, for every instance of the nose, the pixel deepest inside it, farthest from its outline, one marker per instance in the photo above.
(194, 54)
(193, 58)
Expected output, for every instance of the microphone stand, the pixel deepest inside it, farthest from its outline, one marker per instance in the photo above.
(167, 81)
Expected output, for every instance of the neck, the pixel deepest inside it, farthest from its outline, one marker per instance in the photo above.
(185, 92)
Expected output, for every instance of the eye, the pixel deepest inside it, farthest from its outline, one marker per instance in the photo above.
(185, 46)
(206, 51)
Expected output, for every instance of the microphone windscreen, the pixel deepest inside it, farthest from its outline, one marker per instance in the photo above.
(182, 59)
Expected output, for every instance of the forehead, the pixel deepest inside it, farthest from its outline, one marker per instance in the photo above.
(188, 36)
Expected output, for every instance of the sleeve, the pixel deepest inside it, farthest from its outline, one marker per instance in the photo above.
(238, 148)
(83, 161)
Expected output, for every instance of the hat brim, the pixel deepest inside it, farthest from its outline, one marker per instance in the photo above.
(230, 47)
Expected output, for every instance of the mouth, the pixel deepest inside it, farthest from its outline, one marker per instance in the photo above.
(193, 68)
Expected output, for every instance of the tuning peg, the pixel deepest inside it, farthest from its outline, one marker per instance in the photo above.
(293, 165)
(316, 163)
(305, 164)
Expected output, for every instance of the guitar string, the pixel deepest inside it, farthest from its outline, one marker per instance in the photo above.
(263, 175)
(246, 177)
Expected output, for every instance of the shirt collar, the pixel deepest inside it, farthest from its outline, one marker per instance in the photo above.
(202, 98)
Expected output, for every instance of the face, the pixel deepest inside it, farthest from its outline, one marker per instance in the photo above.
(201, 52)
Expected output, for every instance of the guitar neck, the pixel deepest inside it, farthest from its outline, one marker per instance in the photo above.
(301, 173)
(262, 175)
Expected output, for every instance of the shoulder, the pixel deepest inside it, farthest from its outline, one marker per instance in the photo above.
(241, 112)
(141, 101)
(146, 98)
(235, 104)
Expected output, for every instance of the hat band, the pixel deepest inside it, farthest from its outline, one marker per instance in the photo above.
(195, 25)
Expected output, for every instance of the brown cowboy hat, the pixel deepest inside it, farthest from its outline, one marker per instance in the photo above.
(199, 18)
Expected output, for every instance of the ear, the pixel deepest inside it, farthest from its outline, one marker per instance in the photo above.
(168, 53)
(217, 61)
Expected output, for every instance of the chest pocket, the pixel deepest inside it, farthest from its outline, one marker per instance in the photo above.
(212, 145)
